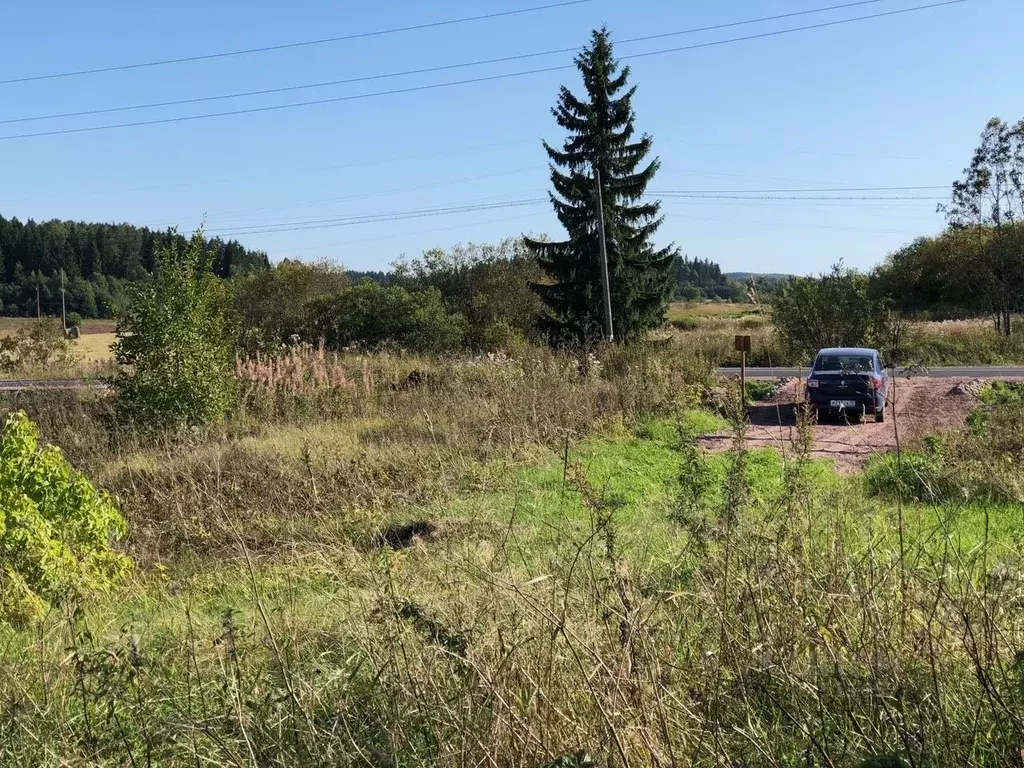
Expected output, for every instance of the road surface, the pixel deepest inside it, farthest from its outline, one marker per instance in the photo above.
(959, 372)
(917, 408)
(18, 385)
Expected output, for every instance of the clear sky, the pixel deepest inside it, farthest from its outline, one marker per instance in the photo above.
(896, 101)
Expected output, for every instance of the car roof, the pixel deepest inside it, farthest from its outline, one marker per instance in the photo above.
(848, 351)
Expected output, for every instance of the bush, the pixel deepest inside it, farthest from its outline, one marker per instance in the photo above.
(500, 336)
(73, 320)
(273, 305)
(39, 346)
(175, 343)
(486, 284)
(912, 476)
(984, 463)
(757, 390)
(752, 322)
(833, 310)
(372, 315)
(686, 323)
(1003, 393)
(55, 527)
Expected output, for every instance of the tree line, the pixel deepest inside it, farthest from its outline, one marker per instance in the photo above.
(98, 260)
(975, 268)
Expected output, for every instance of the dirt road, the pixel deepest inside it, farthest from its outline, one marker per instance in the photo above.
(918, 407)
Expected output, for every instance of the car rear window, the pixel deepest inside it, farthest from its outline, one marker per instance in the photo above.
(844, 363)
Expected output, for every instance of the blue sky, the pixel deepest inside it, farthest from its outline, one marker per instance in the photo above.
(896, 101)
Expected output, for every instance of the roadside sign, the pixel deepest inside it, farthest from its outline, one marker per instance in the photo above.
(742, 343)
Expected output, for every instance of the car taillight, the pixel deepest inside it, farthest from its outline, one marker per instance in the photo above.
(875, 383)
(812, 383)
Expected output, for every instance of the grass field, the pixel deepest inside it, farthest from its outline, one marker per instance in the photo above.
(91, 353)
(710, 309)
(710, 329)
(510, 566)
(9, 325)
(94, 348)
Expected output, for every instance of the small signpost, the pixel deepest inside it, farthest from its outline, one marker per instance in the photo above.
(743, 346)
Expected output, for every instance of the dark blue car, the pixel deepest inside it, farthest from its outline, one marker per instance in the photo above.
(849, 381)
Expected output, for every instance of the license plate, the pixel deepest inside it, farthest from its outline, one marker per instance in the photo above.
(843, 404)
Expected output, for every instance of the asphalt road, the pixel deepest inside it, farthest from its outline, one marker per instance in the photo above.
(968, 372)
(17, 385)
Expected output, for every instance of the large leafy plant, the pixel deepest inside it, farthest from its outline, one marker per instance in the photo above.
(175, 343)
(56, 528)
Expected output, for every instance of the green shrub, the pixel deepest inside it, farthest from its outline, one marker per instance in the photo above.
(761, 390)
(55, 527)
(1003, 393)
(73, 320)
(751, 322)
(175, 343)
(38, 346)
(686, 323)
(832, 310)
(912, 476)
(371, 315)
(500, 336)
(273, 305)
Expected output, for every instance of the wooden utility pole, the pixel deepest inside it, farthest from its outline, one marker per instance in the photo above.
(609, 331)
(39, 303)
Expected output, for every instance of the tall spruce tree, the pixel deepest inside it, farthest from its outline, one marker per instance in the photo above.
(601, 135)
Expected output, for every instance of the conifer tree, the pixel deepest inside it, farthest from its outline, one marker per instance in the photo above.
(602, 136)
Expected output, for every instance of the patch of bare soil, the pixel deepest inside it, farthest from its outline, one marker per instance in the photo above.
(916, 408)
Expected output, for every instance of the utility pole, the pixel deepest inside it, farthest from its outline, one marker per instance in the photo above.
(609, 331)
(39, 303)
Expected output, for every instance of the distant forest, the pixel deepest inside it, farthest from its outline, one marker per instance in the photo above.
(98, 260)
(703, 279)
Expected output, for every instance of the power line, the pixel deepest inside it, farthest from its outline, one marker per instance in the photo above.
(233, 215)
(449, 84)
(301, 44)
(418, 233)
(796, 198)
(278, 107)
(421, 71)
(346, 221)
(788, 225)
(822, 25)
(794, 191)
(238, 216)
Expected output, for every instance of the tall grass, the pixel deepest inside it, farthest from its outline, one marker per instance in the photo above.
(365, 588)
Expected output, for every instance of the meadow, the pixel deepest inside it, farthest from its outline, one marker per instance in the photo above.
(710, 328)
(498, 562)
(88, 356)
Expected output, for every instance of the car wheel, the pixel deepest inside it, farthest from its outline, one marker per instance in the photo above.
(880, 415)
